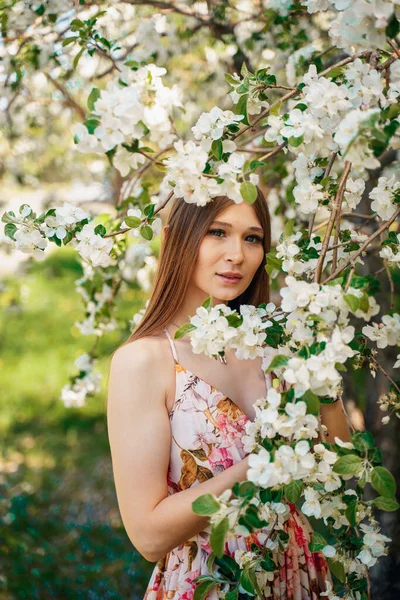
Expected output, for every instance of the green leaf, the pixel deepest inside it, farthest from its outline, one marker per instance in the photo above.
(202, 589)
(91, 125)
(146, 232)
(205, 505)
(393, 27)
(218, 535)
(228, 566)
(278, 361)
(335, 72)
(364, 302)
(231, 80)
(241, 108)
(351, 513)
(246, 582)
(273, 263)
(312, 401)
(295, 141)
(100, 230)
(9, 230)
(179, 333)
(337, 569)
(217, 149)
(383, 481)
(92, 98)
(69, 40)
(133, 221)
(348, 465)
(248, 192)
(301, 106)
(317, 542)
(289, 226)
(8, 217)
(276, 110)
(246, 489)
(21, 209)
(77, 58)
(149, 210)
(388, 504)
(245, 72)
(207, 302)
(363, 440)
(352, 301)
(210, 562)
(340, 367)
(232, 595)
(293, 490)
(268, 564)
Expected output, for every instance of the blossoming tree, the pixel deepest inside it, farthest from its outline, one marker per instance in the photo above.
(305, 98)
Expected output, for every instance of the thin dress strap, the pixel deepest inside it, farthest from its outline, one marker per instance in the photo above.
(174, 354)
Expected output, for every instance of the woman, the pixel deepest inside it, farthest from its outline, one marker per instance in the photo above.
(175, 429)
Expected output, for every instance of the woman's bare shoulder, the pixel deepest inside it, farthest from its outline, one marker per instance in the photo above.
(144, 355)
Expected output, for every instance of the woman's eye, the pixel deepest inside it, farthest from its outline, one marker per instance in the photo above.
(215, 232)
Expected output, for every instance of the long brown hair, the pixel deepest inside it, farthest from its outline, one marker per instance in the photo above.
(187, 225)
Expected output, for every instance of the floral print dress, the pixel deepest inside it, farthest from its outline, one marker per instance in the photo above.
(206, 431)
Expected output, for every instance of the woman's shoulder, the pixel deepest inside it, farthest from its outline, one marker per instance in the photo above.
(147, 352)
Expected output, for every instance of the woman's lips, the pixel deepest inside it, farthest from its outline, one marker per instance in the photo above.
(230, 280)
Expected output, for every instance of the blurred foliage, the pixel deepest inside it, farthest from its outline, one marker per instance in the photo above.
(61, 535)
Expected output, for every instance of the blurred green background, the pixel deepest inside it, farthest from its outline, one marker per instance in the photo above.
(61, 534)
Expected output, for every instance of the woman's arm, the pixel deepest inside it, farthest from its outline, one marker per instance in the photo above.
(140, 439)
(334, 418)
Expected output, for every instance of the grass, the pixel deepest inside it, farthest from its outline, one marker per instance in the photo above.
(61, 532)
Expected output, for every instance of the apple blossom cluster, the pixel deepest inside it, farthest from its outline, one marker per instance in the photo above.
(391, 251)
(139, 216)
(64, 224)
(137, 106)
(87, 383)
(95, 323)
(230, 508)
(385, 197)
(386, 333)
(31, 234)
(318, 325)
(211, 330)
(358, 24)
(318, 472)
(390, 401)
(272, 420)
(92, 247)
(248, 90)
(211, 125)
(330, 116)
(298, 255)
(21, 15)
(186, 173)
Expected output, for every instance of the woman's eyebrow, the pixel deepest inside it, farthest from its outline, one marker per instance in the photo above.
(230, 225)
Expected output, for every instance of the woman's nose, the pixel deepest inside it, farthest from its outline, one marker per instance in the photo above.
(235, 250)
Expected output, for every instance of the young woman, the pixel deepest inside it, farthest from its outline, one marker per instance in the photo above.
(175, 418)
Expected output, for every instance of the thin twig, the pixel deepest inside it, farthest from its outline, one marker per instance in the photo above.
(382, 370)
(345, 214)
(332, 159)
(336, 203)
(384, 226)
(336, 234)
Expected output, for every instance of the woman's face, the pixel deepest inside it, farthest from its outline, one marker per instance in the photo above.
(233, 243)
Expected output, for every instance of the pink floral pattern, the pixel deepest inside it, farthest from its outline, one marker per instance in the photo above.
(206, 439)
